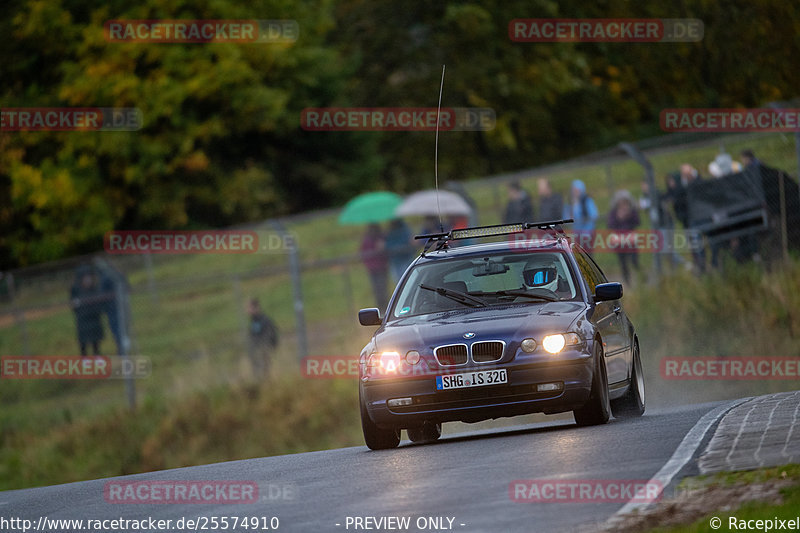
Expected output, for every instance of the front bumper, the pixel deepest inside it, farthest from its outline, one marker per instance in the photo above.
(517, 397)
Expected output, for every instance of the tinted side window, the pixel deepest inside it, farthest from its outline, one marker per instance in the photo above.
(589, 271)
(597, 270)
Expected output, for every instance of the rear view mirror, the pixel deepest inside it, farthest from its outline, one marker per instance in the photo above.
(489, 268)
(608, 291)
(369, 317)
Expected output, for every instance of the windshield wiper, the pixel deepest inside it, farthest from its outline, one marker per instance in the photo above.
(526, 294)
(458, 296)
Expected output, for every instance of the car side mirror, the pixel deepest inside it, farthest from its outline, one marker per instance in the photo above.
(369, 317)
(608, 291)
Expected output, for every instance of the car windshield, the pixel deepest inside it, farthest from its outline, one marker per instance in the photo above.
(481, 281)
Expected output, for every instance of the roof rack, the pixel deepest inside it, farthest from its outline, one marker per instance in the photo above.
(551, 226)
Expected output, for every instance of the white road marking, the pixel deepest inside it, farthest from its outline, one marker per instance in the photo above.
(685, 451)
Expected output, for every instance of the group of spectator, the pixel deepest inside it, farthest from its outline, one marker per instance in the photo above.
(581, 207)
(672, 208)
(387, 253)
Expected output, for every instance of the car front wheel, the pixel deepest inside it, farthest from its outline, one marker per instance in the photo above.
(377, 438)
(597, 409)
(632, 404)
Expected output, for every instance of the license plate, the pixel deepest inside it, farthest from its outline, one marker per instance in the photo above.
(466, 380)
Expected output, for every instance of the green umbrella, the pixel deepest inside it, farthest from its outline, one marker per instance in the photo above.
(370, 207)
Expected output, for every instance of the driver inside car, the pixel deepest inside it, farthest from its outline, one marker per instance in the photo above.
(544, 274)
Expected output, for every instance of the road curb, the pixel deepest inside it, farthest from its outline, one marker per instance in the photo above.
(685, 451)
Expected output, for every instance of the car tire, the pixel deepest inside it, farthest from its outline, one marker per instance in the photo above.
(597, 409)
(427, 432)
(377, 438)
(632, 404)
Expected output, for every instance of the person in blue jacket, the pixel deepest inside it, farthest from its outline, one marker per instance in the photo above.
(581, 208)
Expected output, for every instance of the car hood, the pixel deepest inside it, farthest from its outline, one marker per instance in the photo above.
(492, 323)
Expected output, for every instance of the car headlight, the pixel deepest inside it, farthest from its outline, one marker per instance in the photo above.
(386, 361)
(556, 343)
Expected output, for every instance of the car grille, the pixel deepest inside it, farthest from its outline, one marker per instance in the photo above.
(487, 351)
(452, 354)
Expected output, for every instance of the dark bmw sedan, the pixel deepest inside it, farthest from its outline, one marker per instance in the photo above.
(495, 330)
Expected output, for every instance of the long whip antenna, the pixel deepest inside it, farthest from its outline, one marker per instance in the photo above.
(436, 153)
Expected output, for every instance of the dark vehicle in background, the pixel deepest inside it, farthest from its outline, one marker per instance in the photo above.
(756, 211)
(495, 330)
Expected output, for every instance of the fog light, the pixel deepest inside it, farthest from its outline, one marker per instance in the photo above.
(548, 387)
(399, 402)
(412, 357)
(528, 345)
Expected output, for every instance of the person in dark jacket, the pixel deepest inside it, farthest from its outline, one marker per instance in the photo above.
(400, 248)
(373, 255)
(88, 304)
(551, 205)
(519, 207)
(263, 337)
(624, 218)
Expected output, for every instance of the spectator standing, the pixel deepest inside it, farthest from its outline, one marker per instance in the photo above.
(722, 165)
(86, 300)
(623, 219)
(263, 337)
(582, 209)
(399, 248)
(373, 255)
(677, 199)
(115, 291)
(519, 207)
(689, 174)
(749, 160)
(551, 205)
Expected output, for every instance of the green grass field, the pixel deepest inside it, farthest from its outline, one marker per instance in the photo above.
(786, 509)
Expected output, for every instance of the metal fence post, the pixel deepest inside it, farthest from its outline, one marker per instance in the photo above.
(123, 314)
(151, 280)
(297, 290)
(784, 232)
(19, 315)
(610, 181)
(640, 158)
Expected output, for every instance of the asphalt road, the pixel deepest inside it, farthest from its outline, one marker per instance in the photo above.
(464, 477)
